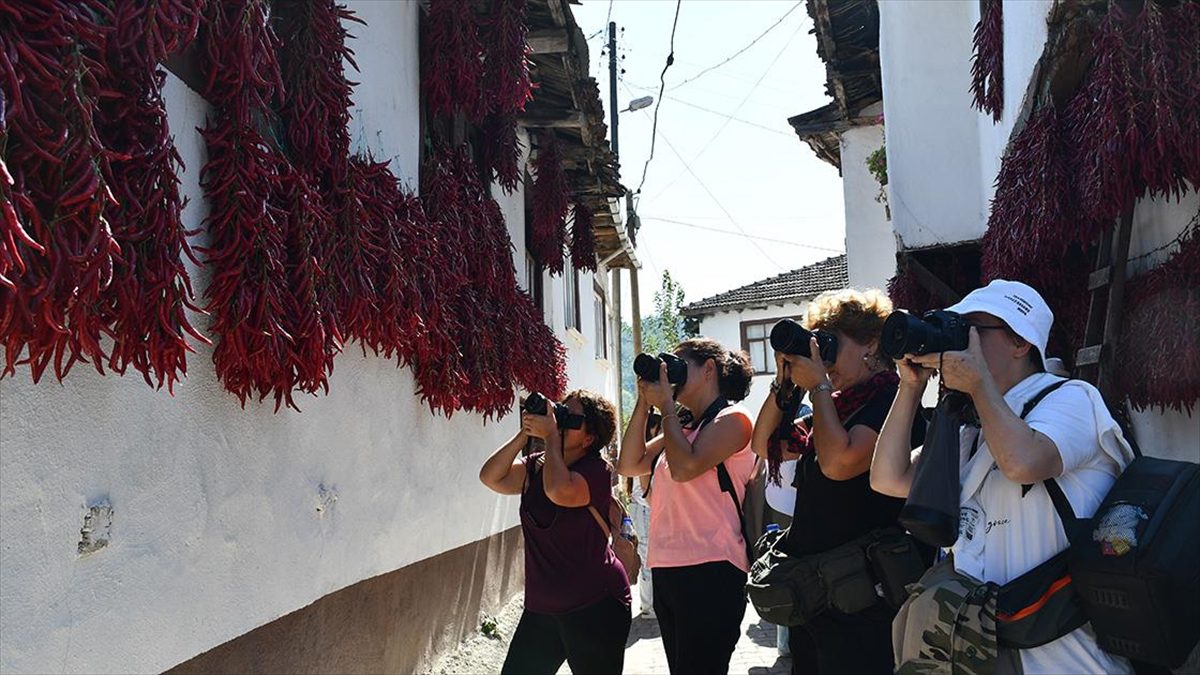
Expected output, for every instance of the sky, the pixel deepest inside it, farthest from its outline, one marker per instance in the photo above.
(725, 157)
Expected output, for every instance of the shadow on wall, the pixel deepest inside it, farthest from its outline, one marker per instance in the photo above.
(395, 622)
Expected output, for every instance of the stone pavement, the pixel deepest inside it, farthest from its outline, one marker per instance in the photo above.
(755, 653)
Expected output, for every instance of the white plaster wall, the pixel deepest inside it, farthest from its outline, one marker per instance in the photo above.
(228, 518)
(870, 240)
(933, 170)
(725, 327)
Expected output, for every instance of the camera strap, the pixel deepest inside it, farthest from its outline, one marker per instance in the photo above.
(709, 415)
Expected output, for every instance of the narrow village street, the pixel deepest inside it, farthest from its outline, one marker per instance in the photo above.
(756, 653)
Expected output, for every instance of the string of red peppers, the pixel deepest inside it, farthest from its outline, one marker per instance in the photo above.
(151, 294)
(551, 198)
(987, 61)
(452, 78)
(1130, 131)
(509, 88)
(583, 238)
(57, 251)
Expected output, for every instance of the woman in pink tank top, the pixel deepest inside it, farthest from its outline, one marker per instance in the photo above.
(697, 555)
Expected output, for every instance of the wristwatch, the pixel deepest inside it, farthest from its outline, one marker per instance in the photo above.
(824, 386)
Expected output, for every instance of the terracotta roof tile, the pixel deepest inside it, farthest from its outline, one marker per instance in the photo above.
(803, 283)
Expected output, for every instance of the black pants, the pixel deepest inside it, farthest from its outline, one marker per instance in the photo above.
(699, 610)
(591, 640)
(833, 643)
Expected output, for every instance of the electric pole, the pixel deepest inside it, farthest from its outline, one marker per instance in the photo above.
(612, 82)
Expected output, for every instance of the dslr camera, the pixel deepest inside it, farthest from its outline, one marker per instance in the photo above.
(537, 404)
(789, 337)
(647, 367)
(937, 331)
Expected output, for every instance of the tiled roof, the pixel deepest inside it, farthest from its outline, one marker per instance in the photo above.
(806, 282)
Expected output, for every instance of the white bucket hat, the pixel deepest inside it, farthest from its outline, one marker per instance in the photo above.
(1018, 305)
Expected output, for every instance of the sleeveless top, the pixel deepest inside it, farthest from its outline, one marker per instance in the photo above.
(693, 522)
(569, 563)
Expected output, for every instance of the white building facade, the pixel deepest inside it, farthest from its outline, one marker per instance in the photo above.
(352, 536)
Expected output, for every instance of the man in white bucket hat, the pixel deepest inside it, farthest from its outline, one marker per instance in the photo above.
(1008, 523)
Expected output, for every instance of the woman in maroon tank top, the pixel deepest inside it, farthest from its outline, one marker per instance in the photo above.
(576, 591)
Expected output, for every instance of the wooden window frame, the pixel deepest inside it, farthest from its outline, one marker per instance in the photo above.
(598, 295)
(769, 353)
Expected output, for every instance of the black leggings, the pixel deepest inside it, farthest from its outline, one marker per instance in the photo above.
(834, 643)
(700, 610)
(591, 640)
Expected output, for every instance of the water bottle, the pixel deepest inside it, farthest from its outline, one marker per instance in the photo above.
(627, 528)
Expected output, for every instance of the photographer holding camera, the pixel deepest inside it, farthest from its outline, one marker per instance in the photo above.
(577, 601)
(697, 552)
(1037, 435)
(851, 388)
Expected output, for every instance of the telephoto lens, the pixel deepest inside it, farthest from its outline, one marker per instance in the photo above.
(789, 337)
(938, 331)
(647, 366)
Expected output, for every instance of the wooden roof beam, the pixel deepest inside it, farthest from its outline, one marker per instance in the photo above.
(552, 41)
(573, 120)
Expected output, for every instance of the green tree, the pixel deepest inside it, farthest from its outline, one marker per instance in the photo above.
(661, 331)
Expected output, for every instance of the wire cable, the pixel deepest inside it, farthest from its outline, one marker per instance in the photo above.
(741, 234)
(661, 90)
(738, 52)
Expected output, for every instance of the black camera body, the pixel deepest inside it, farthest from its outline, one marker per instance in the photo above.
(789, 337)
(647, 367)
(937, 331)
(538, 404)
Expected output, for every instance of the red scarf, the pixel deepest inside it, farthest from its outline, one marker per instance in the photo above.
(795, 438)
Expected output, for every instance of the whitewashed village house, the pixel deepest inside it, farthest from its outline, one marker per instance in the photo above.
(742, 318)
(354, 536)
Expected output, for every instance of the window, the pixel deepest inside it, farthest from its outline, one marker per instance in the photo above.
(600, 310)
(570, 295)
(756, 340)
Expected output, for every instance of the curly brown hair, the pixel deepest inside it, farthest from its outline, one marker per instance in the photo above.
(857, 314)
(599, 415)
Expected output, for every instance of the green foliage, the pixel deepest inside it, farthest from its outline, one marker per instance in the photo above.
(489, 627)
(661, 331)
(877, 164)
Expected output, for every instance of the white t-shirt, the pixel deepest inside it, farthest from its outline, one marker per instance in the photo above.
(1003, 534)
(782, 497)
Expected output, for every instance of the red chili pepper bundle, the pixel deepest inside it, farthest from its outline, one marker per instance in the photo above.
(583, 238)
(987, 63)
(151, 292)
(406, 274)
(452, 61)
(245, 181)
(541, 362)
(506, 66)
(310, 357)
(1186, 28)
(502, 149)
(58, 250)
(1101, 124)
(1034, 214)
(1158, 363)
(551, 197)
(1162, 95)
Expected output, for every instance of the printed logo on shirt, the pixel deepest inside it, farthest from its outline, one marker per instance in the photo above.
(993, 523)
(968, 517)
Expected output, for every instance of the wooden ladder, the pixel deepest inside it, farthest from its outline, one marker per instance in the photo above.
(1106, 283)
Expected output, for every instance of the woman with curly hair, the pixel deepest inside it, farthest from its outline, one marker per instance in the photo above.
(835, 505)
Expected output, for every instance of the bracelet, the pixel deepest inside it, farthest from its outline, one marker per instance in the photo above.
(824, 386)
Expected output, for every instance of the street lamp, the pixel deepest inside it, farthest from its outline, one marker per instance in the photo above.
(639, 103)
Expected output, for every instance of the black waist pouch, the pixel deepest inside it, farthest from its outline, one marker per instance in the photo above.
(897, 561)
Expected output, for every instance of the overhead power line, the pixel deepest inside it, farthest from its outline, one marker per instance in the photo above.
(740, 51)
(661, 90)
(741, 234)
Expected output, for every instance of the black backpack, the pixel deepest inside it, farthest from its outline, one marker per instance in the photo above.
(1135, 564)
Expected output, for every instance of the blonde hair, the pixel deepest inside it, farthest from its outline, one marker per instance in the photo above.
(856, 313)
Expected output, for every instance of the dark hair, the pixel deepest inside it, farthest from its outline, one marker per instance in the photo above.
(733, 368)
(599, 415)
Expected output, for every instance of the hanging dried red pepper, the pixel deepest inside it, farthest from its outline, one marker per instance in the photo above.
(452, 61)
(583, 238)
(1158, 364)
(151, 293)
(58, 251)
(506, 66)
(501, 149)
(551, 198)
(987, 62)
